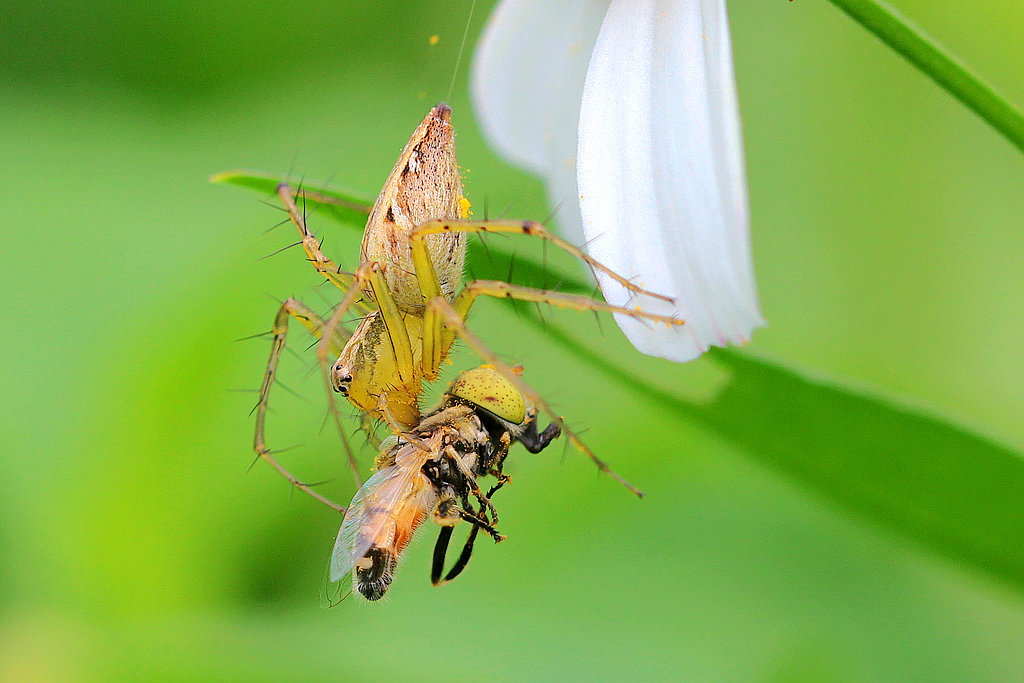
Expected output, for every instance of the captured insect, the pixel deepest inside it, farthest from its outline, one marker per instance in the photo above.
(434, 469)
(407, 290)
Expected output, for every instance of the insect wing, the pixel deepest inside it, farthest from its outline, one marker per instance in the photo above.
(370, 514)
(353, 542)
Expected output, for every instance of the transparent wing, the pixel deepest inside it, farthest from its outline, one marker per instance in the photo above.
(370, 518)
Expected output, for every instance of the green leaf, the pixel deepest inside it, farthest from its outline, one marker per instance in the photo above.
(939, 64)
(907, 470)
(343, 205)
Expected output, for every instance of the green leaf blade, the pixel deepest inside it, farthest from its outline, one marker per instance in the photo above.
(958, 493)
(909, 471)
(345, 206)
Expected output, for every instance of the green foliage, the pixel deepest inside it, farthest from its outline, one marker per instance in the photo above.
(911, 471)
(137, 543)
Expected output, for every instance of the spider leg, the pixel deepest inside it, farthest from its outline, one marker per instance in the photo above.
(325, 266)
(289, 309)
(454, 320)
(418, 236)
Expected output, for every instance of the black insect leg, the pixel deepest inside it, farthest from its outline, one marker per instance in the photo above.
(478, 522)
(441, 547)
(536, 442)
(460, 564)
(474, 488)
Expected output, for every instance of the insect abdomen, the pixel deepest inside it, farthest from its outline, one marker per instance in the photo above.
(372, 581)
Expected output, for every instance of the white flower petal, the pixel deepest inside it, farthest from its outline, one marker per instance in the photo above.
(527, 81)
(660, 172)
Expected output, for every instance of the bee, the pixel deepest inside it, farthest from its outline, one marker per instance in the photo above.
(407, 291)
(434, 469)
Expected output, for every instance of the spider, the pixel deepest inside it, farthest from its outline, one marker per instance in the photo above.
(407, 290)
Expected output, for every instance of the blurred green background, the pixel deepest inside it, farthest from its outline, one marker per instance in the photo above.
(135, 544)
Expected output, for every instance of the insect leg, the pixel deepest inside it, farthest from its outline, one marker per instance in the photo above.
(454, 320)
(467, 549)
(474, 488)
(313, 322)
(440, 549)
(535, 441)
(478, 522)
(467, 513)
(461, 562)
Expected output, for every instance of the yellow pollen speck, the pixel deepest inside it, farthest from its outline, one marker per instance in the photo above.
(434, 40)
(464, 207)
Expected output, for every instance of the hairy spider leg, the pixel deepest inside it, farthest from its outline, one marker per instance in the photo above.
(381, 314)
(437, 343)
(292, 308)
(454, 320)
(532, 228)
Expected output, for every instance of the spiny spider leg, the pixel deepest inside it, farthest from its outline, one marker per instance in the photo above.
(504, 290)
(453, 320)
(313, 322)
(434, 227)
(325, 266)
(437, 342)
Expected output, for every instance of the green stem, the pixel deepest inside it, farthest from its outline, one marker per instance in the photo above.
(923, 52)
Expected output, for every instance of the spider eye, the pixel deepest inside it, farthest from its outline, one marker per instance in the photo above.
(341, 379)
